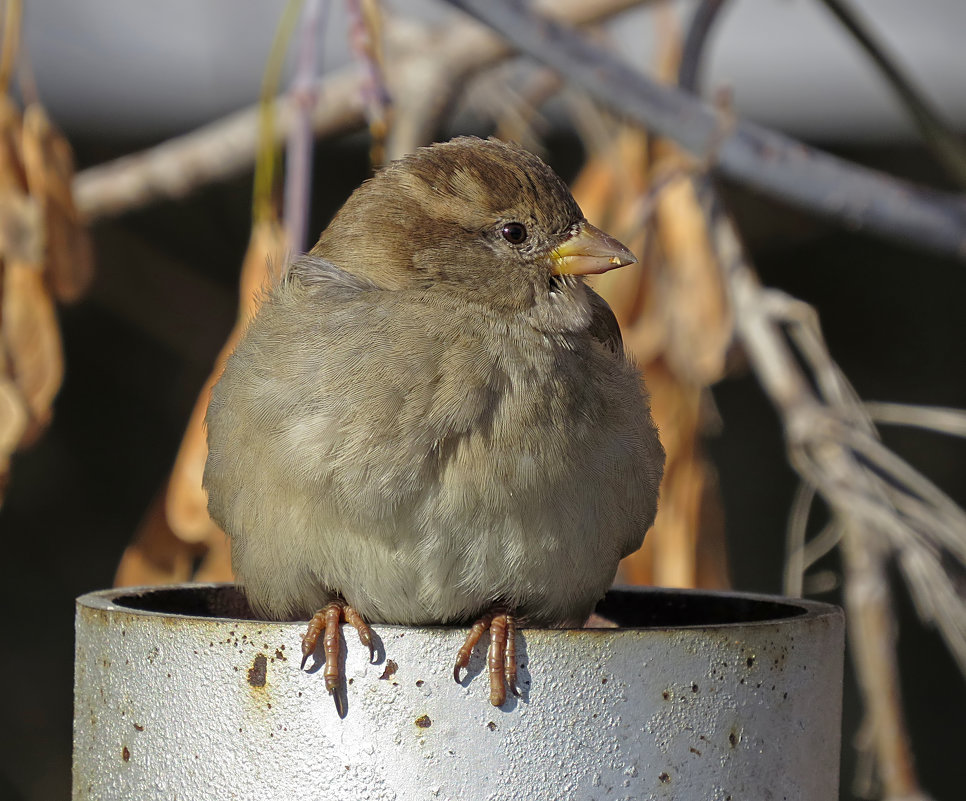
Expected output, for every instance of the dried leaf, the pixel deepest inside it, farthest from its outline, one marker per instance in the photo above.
(12, 175)
(676, 322)
(13, 417)
(700, 329)
(216, 564)
(14, 420)
(49, 166)
(21, 228)
(32, 340)
(187, 503)
(686, 546)
(156, 556)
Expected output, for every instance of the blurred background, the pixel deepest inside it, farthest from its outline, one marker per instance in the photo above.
(88, 493)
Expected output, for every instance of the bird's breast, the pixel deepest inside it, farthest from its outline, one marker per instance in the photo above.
(426, 467)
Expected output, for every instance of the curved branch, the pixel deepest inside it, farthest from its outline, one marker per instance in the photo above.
(227, 146)
(756, 157)
(947, 147)
(692, 52)
(218, 150)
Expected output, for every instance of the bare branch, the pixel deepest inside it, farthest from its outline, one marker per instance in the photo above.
(882, 507)
(764, 160)
(211, 153)
(795, 539)
(938, 136)
(226, 147)
(426, 78)
(366, 40)
(692, 52)
(933, 418)
(298, 160)
(872, 640)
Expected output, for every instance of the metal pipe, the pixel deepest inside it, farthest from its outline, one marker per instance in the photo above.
(179, 694)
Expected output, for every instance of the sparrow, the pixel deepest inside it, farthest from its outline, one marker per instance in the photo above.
(431, 418)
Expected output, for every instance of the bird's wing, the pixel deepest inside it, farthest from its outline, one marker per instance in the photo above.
(343, 398)
(603, 324)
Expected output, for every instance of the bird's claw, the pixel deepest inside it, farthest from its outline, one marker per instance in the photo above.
(354, 619)
(501, 656)
(326, 622)
(311, 636)
(340, 702)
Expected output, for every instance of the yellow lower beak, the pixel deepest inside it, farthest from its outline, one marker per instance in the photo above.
(589, 251)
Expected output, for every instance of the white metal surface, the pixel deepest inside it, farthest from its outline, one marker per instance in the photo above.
(191, 706)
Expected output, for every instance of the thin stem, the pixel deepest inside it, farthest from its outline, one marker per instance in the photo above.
(365, 37)
(298, 156)
(12, 14)
(795, 539)
(267, 155)
(872, 638)
(948, 148)
(931, 418)
(695, 41)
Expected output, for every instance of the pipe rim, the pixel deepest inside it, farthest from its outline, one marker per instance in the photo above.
(133, 601)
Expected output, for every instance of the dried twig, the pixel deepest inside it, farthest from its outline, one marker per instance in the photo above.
(872, 637)
(883, 508)
(795, 544)
(227, 146)
(938, 136)
(692, 51)
(366, 38)
(933, 418)
(298, 153)
(426, 79)
(871, 625)
(948, 148)
(214, 152)
(266, 162)
(764, 160)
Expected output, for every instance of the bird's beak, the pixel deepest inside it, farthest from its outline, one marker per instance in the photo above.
(589, 251)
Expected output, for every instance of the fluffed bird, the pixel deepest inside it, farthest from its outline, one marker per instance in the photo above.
(431, 419)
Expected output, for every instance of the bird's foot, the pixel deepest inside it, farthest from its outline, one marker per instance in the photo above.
(326, 622)
(501, 659)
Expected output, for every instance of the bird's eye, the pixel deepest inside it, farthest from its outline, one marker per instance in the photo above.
(515, 233)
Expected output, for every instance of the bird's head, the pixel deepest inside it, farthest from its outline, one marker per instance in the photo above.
(481, 218)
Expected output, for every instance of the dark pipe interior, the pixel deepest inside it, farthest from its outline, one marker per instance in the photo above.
(658, 608)
(627, 608)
